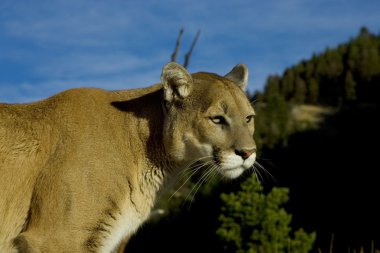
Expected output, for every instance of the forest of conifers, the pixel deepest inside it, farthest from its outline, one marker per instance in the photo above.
(317, 134)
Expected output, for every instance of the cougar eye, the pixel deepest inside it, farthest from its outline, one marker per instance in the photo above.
(249, 118)
(218, 120)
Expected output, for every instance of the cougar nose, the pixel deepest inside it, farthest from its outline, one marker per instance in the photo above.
(245, 153)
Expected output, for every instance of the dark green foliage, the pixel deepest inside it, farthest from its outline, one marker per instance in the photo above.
(272, 120)
(349, 73)
(313, 91)
(349, 87)
(257, 223)
(346, 78)
(345, 73)
(300, 91)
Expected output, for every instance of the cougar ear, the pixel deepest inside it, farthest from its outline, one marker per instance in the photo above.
(239, 75)
(176, 81)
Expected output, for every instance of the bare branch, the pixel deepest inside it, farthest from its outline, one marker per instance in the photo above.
(188, 54)
(178, 43)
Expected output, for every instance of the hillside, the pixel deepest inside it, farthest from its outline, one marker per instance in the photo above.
(349, 72)
(316, 124)
(345, 76)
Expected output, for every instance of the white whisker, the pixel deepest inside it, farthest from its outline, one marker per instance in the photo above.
(190, 167)
(258, 166)
(207, 175)
(258, 169)
(192, 171)
(259, 177)
(256, 175)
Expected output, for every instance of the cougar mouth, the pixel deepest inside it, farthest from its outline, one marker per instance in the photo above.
(231, 165)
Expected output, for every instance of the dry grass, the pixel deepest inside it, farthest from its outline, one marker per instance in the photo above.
(350, 250)
(307, 117)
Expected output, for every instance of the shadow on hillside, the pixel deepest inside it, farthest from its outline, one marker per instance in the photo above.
(332, 176)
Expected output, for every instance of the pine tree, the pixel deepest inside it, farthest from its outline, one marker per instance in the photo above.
(252, 222)
(288, 83)
(272, 120)
(313, 91)
(349, 87)
(300, 91)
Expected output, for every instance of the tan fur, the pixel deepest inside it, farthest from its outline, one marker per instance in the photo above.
(81, 171)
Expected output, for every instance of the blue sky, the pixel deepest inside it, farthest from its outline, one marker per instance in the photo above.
(49, 46)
